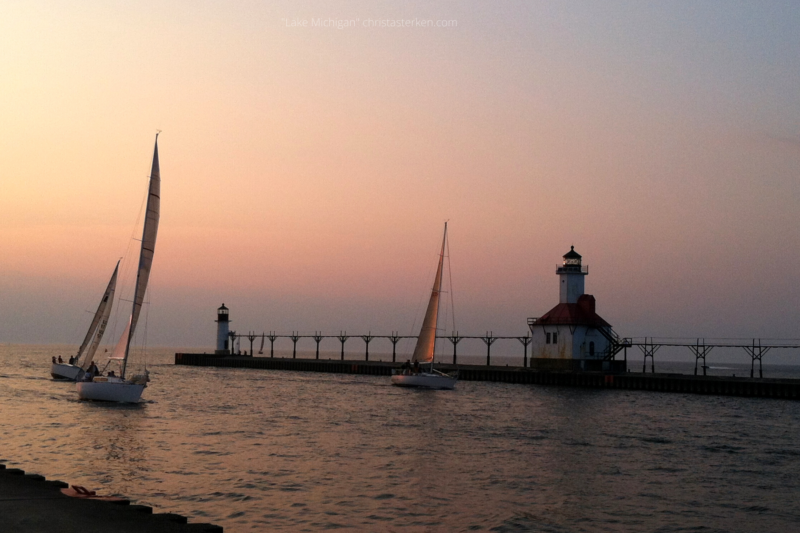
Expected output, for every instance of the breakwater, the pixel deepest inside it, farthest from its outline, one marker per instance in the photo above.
(29, 503)
(716, 385)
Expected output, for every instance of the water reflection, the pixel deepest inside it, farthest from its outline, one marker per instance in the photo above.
(260, 450)
(117, 454)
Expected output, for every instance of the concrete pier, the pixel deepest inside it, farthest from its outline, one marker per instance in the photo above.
(31, 504)
(716, 385)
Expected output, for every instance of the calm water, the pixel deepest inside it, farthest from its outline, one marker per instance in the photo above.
(265, 450)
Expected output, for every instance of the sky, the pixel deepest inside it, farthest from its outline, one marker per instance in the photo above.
(311, 152)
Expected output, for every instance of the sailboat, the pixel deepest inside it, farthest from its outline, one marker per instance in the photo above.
(117, 388)
(426, 343)
(83, 359)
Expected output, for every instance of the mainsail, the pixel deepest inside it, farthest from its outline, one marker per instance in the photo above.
(426, 342)
(98, 325)
(149, 234)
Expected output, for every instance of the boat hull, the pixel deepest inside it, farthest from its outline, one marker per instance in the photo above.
(424, 381)
(66, 371)
(110, 391)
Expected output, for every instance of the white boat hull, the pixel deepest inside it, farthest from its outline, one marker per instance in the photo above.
(66, 371)
(425, 381)
(110, 391)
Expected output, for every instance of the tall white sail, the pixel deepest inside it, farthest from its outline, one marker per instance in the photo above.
(100, 320)
(149, 234)
(95, 333)
(426, 342)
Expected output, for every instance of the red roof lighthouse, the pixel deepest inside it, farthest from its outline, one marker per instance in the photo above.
(572, 329)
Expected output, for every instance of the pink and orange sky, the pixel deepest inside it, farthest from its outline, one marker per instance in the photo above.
(307, 171)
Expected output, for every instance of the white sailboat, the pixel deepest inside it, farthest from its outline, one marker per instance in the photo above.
(117, 388)
(75, 370)
(426, 343)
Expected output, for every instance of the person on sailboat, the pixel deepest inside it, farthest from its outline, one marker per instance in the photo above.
(92, 371)
(71, 359)
(416, 367)
(60, 361)
(54, 359)
(406, 367)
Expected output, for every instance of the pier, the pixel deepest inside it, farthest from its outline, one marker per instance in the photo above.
(613, 377)
(569, 345)
(29, 503)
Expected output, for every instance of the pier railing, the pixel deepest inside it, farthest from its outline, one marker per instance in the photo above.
(454, 337)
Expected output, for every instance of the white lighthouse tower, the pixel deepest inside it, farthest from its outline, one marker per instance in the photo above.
(571, 277)
(222, 331)
(572, 335)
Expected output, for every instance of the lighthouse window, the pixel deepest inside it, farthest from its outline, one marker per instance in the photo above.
(547, 338)
(555, 338)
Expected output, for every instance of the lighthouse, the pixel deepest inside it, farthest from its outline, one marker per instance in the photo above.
(571, 335)
(222, 331)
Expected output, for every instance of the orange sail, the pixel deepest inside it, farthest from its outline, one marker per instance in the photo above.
(426, 342)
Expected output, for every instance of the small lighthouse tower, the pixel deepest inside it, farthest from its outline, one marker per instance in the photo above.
(571, 277)
(222, 331)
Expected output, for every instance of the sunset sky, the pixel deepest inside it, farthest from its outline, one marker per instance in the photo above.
(307, 171)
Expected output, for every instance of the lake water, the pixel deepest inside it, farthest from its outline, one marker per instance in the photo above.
(257, 450)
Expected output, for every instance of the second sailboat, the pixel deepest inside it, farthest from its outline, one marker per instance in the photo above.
(424, 352)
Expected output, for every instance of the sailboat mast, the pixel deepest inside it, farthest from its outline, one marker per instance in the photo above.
(439, 290)
(149, 233)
